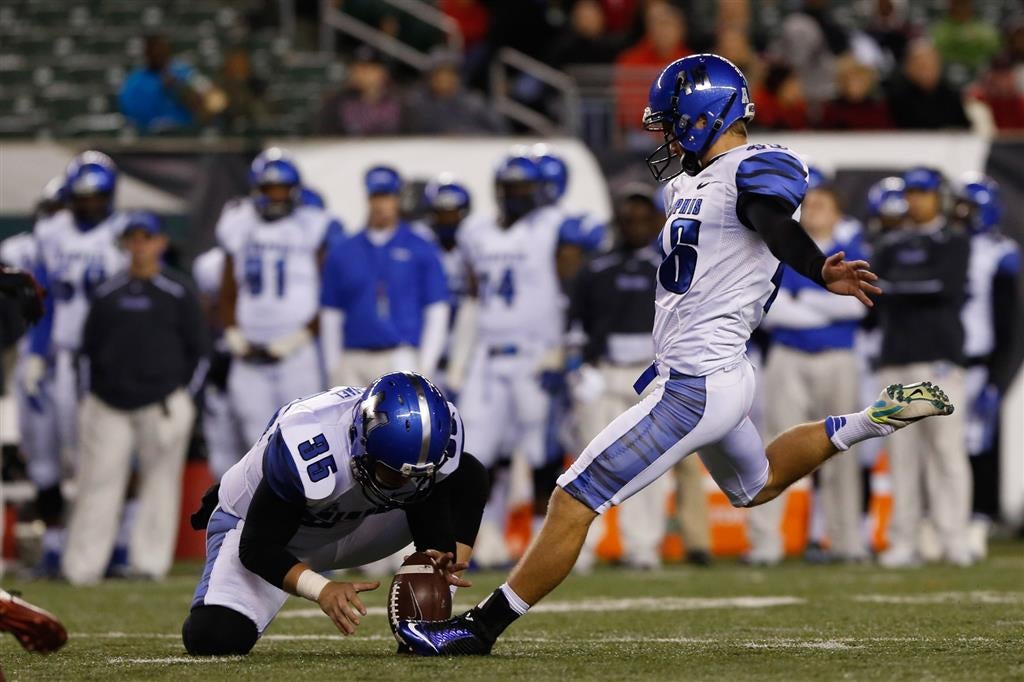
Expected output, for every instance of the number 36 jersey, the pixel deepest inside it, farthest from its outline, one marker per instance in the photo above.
(304, 455)
(718, 278)
(275, 266)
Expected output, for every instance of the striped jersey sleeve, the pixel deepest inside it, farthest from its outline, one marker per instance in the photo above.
(774, 174)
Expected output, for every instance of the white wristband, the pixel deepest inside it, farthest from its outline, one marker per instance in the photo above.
(310, 584)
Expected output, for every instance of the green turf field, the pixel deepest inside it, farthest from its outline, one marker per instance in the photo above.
(726, 623)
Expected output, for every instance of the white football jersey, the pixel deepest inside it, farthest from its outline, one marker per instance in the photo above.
(20, 251)
(75, 263)
(276, 268)
(520, 299)
(718, 277)
(208, 271)
(335, 503)
(988, 250)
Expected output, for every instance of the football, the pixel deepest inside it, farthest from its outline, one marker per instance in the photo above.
(419, 591)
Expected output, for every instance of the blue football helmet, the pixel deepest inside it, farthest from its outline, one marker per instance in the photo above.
(518, 186)
(448, 204)
(702, 86)
(886, 198)
(89, 185)
(553, 170)
(272, 168)
(403, 431)
(977, 202)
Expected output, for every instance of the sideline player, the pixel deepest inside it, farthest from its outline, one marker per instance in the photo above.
(274, 245)
(989, 332)
(730, 222)
(78, 251)
(515, 311)
(338, 480)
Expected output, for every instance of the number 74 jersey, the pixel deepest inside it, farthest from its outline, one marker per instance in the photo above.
(275, 265)
(718, 278)
(517, 280)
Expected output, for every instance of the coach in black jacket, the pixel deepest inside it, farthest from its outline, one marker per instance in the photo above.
(922, 269)
(142, 342)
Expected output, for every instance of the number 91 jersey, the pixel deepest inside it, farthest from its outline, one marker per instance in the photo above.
(275, 266)
(74, 263)
(718, 278)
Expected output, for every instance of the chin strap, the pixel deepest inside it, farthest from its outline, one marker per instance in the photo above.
(691, 160)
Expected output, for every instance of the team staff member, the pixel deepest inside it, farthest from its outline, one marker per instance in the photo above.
(141, 344)
(612, 305)
(923, 269)
(385, 295)
(812, 366)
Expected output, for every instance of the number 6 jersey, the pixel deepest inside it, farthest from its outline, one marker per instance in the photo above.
(275, 265)
(718, 277)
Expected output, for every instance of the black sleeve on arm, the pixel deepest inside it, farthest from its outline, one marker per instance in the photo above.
(270, 523)
(772, 218)
(430, 521)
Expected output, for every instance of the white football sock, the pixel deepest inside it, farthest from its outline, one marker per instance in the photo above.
(514, 600)
(849, 429)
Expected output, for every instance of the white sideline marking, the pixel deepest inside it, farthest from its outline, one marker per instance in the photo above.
(974, 597)
(603, 605)
(170, 660)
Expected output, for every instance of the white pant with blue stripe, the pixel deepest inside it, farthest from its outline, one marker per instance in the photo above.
(682, 415)
(226, 582)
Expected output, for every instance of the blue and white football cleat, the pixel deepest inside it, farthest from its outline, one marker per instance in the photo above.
(900, 405)
(458, 636)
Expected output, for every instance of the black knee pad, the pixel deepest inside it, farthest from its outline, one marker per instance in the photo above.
(469, 493)
(218, 631)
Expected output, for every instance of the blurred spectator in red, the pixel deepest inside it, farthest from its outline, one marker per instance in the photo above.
(586, 41)
(619, 14)
(779, 101)
(664, 42)
(367, 104)
(889, 28)
(471, 16)
(858, 104)
(440, 106)
(998, 88)
(965, 43)
(247, 108)
(919, 97)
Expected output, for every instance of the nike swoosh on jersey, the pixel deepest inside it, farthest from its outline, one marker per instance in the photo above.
(702, 185)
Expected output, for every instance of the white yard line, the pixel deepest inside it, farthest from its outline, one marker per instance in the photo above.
(605, 605)
(973, 597)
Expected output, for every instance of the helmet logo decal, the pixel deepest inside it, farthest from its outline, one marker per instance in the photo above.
(372, 417)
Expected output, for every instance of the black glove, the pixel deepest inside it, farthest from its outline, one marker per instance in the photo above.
(22, 288)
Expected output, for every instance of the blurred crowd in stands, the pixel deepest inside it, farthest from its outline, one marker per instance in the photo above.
(816, 64)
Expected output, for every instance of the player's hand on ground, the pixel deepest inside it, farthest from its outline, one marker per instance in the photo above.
(340, 601)
(849, 278)
(445, 562)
